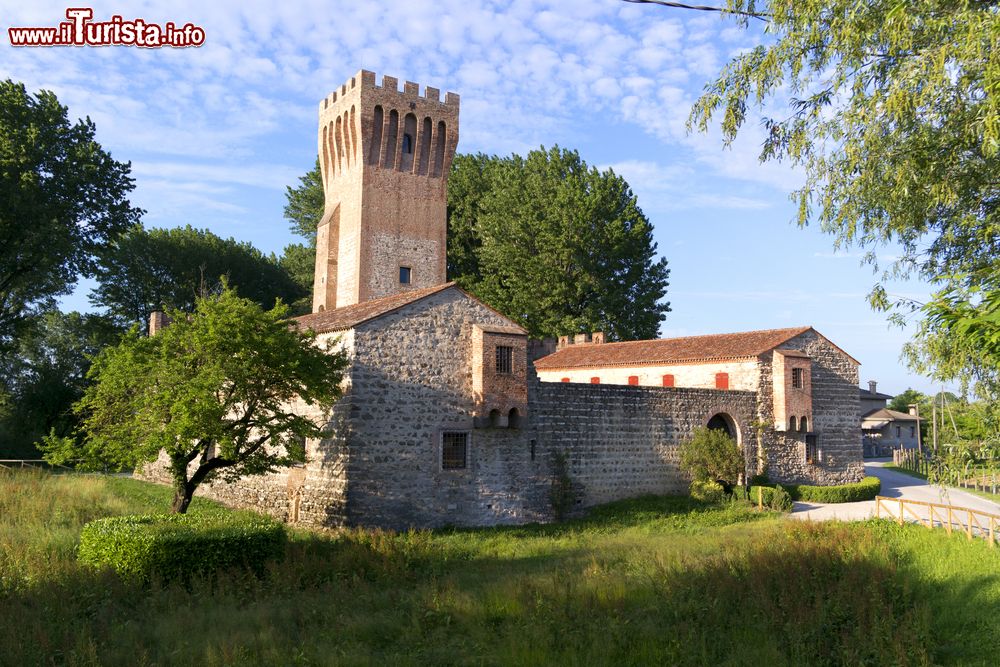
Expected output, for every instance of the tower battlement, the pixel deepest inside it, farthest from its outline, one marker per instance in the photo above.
(384, 156)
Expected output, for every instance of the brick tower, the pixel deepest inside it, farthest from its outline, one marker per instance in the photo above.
(384, 156)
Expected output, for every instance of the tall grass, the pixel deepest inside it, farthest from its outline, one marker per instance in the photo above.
(650, 581)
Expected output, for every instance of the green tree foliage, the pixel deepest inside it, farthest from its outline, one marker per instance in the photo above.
(893, 111)
(298, 261)
(47, 375)
(150, 269)
(554, 244)
(564, 248)
(710, 455)
(213, 390)
(64, 199)
(304, 207)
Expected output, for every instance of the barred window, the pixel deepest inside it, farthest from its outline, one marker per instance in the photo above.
(812, 449)
(454, 450)
(798, 378)
(505, 355)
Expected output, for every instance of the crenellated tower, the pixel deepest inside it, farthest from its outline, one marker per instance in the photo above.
(384, 155)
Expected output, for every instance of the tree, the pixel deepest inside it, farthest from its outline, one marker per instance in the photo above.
(64, 200)
(894, 115)
(48, 375)
(711, 455)
(305, 204)
(298, 261)
(214, 391)
(155, 269)
(554, 244)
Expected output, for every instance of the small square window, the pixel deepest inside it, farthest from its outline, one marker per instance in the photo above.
(454, 450)
(798, 378)
(404, 275)
(505, 356)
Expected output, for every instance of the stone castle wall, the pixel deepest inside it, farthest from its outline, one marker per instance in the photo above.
(836, 424)
(623, 441)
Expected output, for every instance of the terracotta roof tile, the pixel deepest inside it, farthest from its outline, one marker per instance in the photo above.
(340, 319)
(742, 345)
(890, 415)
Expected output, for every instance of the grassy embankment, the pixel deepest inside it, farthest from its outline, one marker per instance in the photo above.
(650, 581)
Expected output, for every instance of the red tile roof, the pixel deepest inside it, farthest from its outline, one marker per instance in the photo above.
(714, 347)
(340, 319)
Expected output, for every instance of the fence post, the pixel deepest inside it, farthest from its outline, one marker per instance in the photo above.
(949, 519)
(878, 508)
(992, 534)
(900, 511)
(760, 497)
(968, 528)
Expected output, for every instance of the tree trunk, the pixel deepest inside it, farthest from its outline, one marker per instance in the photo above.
(182, 498)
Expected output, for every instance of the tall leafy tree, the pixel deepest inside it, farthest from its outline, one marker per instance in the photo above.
(64, 199)
(556, 245)
(565, 248)
(47, 375)
(150, 269)
(893, 111)
(213, 391)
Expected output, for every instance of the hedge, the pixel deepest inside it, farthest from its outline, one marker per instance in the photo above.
(775, 498)
(180, 545)
(866, 489)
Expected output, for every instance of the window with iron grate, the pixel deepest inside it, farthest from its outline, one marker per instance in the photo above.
(504, 359)
(798, 378)
(454, 450)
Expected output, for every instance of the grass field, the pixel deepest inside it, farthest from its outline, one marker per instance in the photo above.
(649, 581)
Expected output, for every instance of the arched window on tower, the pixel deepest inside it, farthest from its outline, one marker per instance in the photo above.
(407, 146)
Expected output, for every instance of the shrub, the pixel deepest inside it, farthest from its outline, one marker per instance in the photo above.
(866, 489)
(711, 454)
(707, 492)
(775, 497)
(179, 545)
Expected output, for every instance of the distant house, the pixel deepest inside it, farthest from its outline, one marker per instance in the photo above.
(882, 429)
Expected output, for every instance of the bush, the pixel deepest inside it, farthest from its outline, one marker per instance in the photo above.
(775, 497)
(180, 545)
(711, 454)
(866, 489)
(707, 492)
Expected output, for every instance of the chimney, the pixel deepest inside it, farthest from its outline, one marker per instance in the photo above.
(871, 386)
(564, 341)
(157, 321)
(597, 338)
(913, 410)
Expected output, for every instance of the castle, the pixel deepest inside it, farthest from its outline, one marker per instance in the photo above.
(451, 416)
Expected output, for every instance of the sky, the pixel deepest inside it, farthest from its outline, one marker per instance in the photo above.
(215, 133)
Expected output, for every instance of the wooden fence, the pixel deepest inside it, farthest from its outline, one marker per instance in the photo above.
(973, 523)
(40, 464)
(975, 477)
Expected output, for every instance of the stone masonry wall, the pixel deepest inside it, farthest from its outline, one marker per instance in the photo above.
(412, 382)
(623, 441)
(835, 420)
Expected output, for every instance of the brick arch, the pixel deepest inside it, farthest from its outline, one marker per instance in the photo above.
(737, 422)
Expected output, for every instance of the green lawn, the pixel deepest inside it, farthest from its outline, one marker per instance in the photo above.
(652, 581)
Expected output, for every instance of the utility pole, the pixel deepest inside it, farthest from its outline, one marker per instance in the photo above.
(934, 424)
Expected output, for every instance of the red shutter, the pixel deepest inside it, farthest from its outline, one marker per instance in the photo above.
(722, 380)
(595, 380)
(668, 380)
(565, 379)
(633, 380)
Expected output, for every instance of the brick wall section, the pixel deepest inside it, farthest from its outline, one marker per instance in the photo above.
(623, 441)
(836, 422)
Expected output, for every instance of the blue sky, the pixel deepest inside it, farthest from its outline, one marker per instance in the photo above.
(215, 133)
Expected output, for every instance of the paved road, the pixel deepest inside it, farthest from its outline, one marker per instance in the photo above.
(894, 485)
